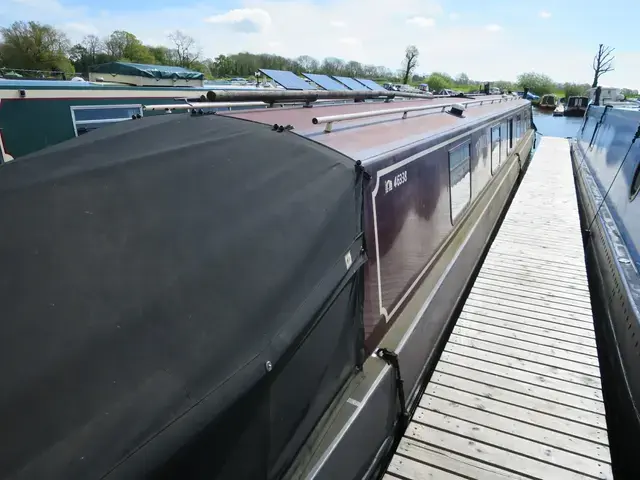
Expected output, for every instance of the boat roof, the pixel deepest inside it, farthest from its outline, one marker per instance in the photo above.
(17, 84)
(71, 85)
(367, 138)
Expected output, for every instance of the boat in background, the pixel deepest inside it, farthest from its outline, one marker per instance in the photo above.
(548, 102)
(613, 97)
(37, 113)
(576, 106)
(559, 110)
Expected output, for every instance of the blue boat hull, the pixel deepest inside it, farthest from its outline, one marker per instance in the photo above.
(607, 160)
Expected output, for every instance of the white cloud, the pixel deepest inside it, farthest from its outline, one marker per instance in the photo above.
(493, 28)
(81, 28)
(454, 16)
(244, 20)
(371, 38)
(50, 5)
(350, 41)
(337, 24)
(421, 21)
(430, 8)
(544, 14)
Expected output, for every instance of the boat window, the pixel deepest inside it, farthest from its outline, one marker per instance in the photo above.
(510, 133)
(495, 148)
(635, 183)
(459, 178)
(89, 117)
(518, 127)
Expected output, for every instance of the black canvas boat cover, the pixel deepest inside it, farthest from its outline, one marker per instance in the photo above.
(180, 296)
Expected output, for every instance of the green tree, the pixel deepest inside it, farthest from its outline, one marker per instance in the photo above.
(308, 64)
(504, 85)
(88, 53)
(447, 78)
(537, 83)
(162, 55)
(437, 81)
(462, 79)
(121, 45)
(35, 46)
(222, 66)
(575, 89)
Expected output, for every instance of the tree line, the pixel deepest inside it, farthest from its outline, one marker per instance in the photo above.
(33, 46)
(36, 47)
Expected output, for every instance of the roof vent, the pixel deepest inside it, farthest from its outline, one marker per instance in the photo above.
(457, 109)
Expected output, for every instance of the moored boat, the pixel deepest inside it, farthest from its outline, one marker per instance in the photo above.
(559, 110)
(37, 113)
(548, 102)
(253, 294)
(576, 106)
(606, 157)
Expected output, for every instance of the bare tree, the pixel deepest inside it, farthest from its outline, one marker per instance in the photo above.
(186, 48)
(93, 45)
(410, 62)
(602, 63)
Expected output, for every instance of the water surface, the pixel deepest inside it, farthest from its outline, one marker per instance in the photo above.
(551, 126)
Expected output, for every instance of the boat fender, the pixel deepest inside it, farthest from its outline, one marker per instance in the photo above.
(391, 358)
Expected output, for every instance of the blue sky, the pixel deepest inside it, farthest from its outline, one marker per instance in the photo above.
(487, 39)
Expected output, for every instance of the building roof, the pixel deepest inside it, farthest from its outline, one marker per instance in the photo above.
(148, 71)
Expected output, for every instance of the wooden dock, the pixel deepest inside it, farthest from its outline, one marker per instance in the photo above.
(516, 393)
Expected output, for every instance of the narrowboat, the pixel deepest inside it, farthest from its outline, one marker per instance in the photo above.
(606, 158)
(37, 113)
(576, 106)
(255, 294)
(548, 102)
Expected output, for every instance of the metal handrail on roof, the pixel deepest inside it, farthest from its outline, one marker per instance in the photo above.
(188, 105)
(198, 105)
(329, 120)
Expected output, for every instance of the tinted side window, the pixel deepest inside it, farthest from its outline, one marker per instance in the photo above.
(495, 148)
(459, 178)
(90, 117)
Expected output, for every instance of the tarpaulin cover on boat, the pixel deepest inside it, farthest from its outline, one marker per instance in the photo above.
(181, 298)
(149, 71)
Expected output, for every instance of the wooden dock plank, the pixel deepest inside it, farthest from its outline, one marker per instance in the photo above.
(514, 385)
(540, 377)
(516, 412)
(430, 455)
(517, 392)
(524, 325)
(544, 371)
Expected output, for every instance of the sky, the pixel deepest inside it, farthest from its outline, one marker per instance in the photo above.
(486, 39)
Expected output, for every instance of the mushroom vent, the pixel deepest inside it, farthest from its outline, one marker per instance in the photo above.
(457, 109)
